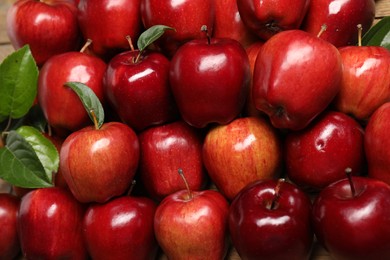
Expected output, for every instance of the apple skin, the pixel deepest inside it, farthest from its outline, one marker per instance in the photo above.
(193, 227)
(139, 91)
(259, 231)
(354, 227)
(362, 91)
(100, 164)
(9, 240)
(121, 228)
(210, 81)
(164, 150)
(43, 215)
(108, 22)
(243, 151)
(49, 27)
(376, 143)
(60, 104)
(319, 154)
(267, 18)
(170, 13)
(292, 101)
(341, 19)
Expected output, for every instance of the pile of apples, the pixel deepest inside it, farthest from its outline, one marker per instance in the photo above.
(258, 125)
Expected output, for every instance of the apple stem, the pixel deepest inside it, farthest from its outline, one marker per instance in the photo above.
(131, 188)
(348, 172)
(136, 60)
(186, 183)
(275, 200)
(360, 29)
(205, 30)
(128, 38)
(86, 45)
(95, 121)
(324, 27)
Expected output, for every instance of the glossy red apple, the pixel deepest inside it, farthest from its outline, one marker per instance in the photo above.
(296, 77)
(318, 155)
(108, 22)
(50, 225)
(121, 228)
(269, 17)
(49, 27)
(99, 164)
(209, 80)
(9, 240)
(271, 220)
(60, 104)
(354, 224)
(164, 150)
(340, 18)
(376, 143)
(185, 16)
(243, 151)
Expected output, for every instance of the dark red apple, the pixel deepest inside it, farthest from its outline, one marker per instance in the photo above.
(99, 164)
(271, 220)
(318, 155)
(121, 228)
(9, 240)
(49, 27)
(296, 77)
(50, 225)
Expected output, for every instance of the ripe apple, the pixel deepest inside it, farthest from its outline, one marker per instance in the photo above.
(9, 240)
(60, 104)
(209, 80)
(341, 19)
(108, 22)
(50, 225)
(318, 155)
(164, 150)
(99, 164)
(362, 91)
(121, 228)
(192, 225)
(271, 220)
(49, 27)
(296, 77)
(269, 17)
(245, 150)
(185, 16)
(376, 143)
(351, 219)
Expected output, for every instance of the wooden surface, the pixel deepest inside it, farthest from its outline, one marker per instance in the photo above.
(383, 9)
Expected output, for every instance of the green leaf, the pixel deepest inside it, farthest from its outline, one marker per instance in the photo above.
(90, 101)
(45, 150)
(19, 164)
(379, 34)
(151, 35)
(18, 84)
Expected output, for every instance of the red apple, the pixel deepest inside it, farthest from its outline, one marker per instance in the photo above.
(296, 77)
(210, 80)
(245, 150)
(138, 89)
(49, 27)
(121, 229)
(164, 150)
(268, 17)
(340, 18)
(185, 16)
(60, 104)
(50, 225)
(9, 240)
(376, 143)
(99, 164)
(271, 220)
(318, 155)
(362, 90)
(108, 22)
(354, 224)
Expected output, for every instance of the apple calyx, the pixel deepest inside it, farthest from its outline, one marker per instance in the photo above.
(86, 45)
(206, 31)
(273, 27)
(275, 201)
(348, 172)
(189, 193)
(324, 27)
